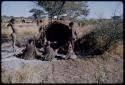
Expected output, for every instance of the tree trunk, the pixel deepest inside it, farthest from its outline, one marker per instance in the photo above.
(50, 19)
(60, 9)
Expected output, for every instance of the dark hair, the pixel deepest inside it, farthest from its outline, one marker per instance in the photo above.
(12, 20)
(41, 27)
(48, 43)
(30, 40)
(71, 24)
(60, 18)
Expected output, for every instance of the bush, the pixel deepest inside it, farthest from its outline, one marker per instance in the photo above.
(4, 38)
(113, 34)
(116, 48)
(100, 39)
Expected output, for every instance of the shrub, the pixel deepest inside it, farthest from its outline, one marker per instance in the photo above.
(3, 38)
(101, 39)
(116, 48)
(113, 34)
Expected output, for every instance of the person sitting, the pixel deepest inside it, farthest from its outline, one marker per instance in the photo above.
(49, 53)
(70, 53)
(29, 51)
(46, 53)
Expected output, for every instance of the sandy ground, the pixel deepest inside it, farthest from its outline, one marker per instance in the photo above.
(104, 68)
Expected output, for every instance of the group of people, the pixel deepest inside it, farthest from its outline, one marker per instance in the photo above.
(46, 53)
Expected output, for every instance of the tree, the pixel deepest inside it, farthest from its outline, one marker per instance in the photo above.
(121, 16)
(36, 13)
(51, 7)
(116, 8)
(75, 9)
(72, 9)
(115, 17)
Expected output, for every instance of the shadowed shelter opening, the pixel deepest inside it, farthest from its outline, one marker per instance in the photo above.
(58, 32)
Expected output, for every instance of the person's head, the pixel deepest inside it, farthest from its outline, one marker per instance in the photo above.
(30, 41)
(71, 24)
(12, 21)
(60, 18)
(48, 43)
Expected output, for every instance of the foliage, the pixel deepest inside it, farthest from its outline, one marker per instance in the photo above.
(36, 13)
(101, 39)
(3, 38)
(51, 7)
(73, 9)
(113, 33)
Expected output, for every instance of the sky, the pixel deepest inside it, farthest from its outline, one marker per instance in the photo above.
(98, 9)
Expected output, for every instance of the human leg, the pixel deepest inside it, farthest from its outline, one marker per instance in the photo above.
(13, 41)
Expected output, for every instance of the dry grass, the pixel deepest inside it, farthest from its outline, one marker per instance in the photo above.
(6, 76)
(24, 32)
(29, 30)
(100, 69)
(117, 48)
(81, 31)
